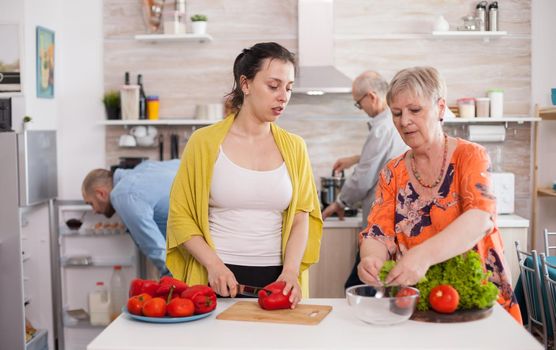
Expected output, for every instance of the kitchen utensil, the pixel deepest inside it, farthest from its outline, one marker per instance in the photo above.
(174, 146)
(164, 319)
(127, 141)
(458, 316)
(74, 224)
(381, 308)
(330, 188)
(249, 291)
(138, 131)
(145, 141)
(251, 311)
(160, 147)
(130, 162)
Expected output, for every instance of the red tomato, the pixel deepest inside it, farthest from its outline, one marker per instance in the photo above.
(155, 307)
(135, 304)
(180, 307)
(444, 299)
(404, 303)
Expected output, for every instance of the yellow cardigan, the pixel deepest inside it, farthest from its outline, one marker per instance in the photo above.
(189, 200)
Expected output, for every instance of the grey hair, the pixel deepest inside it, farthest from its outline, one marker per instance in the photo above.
(424, 82)
(370, 81)
(96, 178)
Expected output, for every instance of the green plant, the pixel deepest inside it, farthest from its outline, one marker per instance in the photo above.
(199, 18)
(111, 99)
(27, 119)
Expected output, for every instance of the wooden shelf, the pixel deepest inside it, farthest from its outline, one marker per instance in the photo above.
(174, 37)
(460, 34)
(193, 122)
(547, 113)
(546, 191)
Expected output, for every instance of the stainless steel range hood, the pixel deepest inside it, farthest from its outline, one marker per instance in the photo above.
(316, 73)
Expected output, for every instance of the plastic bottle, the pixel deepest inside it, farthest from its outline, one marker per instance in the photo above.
(99, 306)
(118, 292)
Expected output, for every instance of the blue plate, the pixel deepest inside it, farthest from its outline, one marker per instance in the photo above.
(164, 319)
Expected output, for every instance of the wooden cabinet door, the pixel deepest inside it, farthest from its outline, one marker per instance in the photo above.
(337, 256)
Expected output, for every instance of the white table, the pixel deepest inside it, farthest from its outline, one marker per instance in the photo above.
(339, 330)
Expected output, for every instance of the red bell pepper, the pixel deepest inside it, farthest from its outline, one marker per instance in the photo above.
(203, 297)
(166, 283)
(273, 298)
(139, 286)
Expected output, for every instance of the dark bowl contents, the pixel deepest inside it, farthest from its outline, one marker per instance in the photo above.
(74, 224)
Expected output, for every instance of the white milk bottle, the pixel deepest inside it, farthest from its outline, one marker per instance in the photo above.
(99, 306)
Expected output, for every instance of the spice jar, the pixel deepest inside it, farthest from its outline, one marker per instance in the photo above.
(482, 106)
(153, 106)
(466, 107)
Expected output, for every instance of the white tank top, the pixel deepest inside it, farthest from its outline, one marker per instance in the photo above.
(245, 212)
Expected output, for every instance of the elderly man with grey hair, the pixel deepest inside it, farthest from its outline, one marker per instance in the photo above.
(383, 143)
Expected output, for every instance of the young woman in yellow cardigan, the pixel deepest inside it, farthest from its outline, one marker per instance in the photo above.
(244, 205)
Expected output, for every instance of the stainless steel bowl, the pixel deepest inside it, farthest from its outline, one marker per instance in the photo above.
(381, 306)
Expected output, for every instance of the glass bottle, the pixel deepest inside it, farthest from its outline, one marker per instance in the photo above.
(142, 98)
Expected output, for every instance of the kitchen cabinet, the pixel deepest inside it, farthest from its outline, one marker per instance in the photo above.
(87, 254)
(544, 154)
(340, 244)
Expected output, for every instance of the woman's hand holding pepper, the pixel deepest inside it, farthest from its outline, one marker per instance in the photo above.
(369, 269)
(292, 284)
(411, 268)
(222, 280)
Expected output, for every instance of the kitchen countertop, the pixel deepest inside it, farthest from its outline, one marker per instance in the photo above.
(339, 330)
(503, 221)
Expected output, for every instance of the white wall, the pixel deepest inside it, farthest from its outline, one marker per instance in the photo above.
(46, 14)
(79, 93)
(543, 57)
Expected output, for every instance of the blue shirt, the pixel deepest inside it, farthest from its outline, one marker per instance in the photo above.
(140, 196)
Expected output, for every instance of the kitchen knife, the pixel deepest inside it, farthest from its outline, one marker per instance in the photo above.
(249, 291)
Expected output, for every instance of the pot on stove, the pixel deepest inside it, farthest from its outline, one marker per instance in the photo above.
(330, 187)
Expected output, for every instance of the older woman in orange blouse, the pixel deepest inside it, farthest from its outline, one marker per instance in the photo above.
(434, 201)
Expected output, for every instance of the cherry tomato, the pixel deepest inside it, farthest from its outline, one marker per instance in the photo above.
(444, 299)
(180, 307)
(404, 303)
(135, 304)
(155, 307)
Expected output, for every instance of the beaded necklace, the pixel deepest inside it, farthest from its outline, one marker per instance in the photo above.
(439, 178)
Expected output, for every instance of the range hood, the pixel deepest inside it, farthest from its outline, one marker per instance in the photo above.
(316, 73)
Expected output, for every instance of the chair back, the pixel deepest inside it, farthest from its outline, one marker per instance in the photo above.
(547, 244)
(550, 287)
(531, 282)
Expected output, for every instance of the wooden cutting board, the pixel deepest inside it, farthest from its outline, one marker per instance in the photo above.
(458, 316)
(251, 311)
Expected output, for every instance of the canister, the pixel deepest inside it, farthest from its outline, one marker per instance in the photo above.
(496, 103)
(129, 97)
(482, 107)
(466, 107)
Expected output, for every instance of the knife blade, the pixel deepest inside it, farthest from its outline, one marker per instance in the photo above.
(249, 291)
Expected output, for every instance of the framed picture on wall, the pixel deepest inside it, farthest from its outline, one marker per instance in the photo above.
(45, 62)
(10, 76)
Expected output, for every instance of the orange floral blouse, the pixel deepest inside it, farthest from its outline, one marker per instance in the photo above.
(400, 219)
